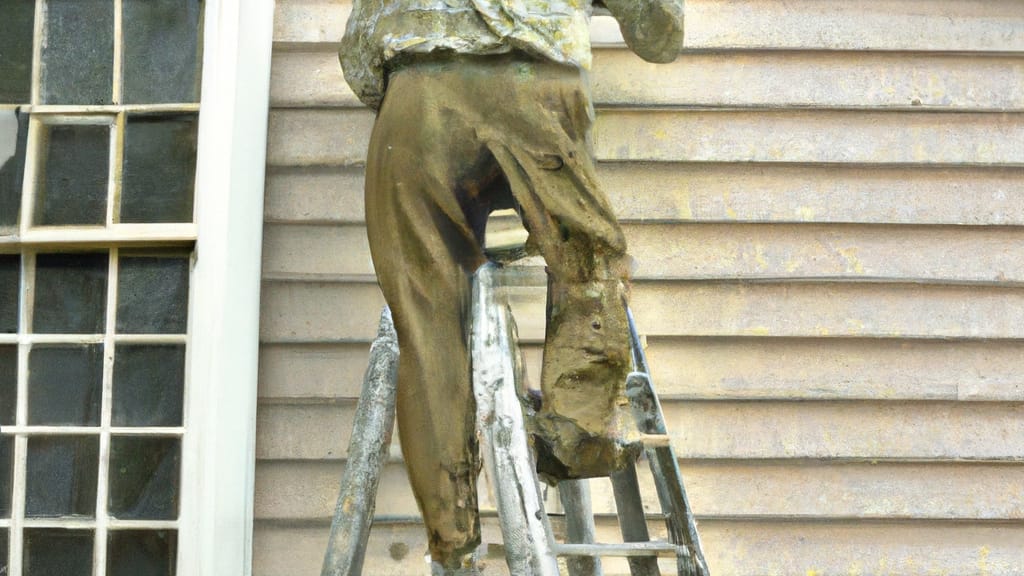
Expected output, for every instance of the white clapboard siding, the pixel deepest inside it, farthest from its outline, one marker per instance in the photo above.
(714, 251)
(825, 204)
(297, 490)
(339, 136)
(710, 192)
(695, 368)
(325, 194)
(318, 311)
(837, 137)
(824, 193)
(738, 546)
(726, 429)
(918, 25)
(887, 80)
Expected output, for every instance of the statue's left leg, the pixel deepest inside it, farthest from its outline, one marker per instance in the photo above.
(584, 427)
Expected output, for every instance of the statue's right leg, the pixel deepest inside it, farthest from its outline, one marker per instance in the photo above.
(423, 251)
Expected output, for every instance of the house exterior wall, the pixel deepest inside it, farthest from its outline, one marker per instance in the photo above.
(825, 200)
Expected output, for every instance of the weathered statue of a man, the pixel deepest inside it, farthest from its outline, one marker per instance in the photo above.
(484, 105)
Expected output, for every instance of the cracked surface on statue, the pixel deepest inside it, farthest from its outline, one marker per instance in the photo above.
(484, 105)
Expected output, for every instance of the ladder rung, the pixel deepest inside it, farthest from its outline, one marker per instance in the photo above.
(656, 440)
(625, 549)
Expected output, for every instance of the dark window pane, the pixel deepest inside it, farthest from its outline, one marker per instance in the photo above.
(65, 384)
(70, 294)
(148, 385)
(144, 477)
(57, 552)
(16, 25)
(8, 384)
(6, 470)
(61, 478)
(142, 552)
(10, 274)
(78, 52)
(74, 178)
(152, 294)
(159, 168)
(3, 550)
(161, 51)
(13, 135)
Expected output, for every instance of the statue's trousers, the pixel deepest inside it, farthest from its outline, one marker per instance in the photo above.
(455, 139)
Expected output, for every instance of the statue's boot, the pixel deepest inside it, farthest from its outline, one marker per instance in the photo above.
(461, 565)
(584, 427)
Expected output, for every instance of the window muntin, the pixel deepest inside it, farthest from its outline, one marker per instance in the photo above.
(98, 139)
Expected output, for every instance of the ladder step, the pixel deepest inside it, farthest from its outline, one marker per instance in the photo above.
(656, 440)
(625, 549)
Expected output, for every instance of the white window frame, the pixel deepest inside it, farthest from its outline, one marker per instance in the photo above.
(218, 452)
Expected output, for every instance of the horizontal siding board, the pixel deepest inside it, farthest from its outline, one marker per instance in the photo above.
(307, 491)
(848, 548)
(709, 192)
(392, 550)
(309, 78)
(734, 79)
(993, 25)
(339, 136)
(733, 548)
(319, 311)
(824, 194)
(736, 251)
(310, 21)
(707, 251)
(834, 24)
(301, 249)
(338, 311)
(310, 195)
(857, 490)
(839, 137)
(839, 309)
(811, 79)
(739, 430)
(813, 369)
(849, 430)
(305, 432)
(723, 368)
(328, 137)
(312, 371)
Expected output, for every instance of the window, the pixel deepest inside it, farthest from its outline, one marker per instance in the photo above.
(99, 103)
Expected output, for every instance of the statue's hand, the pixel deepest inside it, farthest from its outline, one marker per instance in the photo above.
(652, 28)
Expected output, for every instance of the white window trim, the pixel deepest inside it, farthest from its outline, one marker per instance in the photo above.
(218, 456)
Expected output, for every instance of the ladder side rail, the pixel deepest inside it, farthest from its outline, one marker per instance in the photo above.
(579, 525)
(367, 453)
(529, 549)
(682, 528)
(664, 464)
(636, 344)
(629, 507)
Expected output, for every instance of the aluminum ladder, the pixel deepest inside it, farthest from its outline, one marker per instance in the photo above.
(530, 547)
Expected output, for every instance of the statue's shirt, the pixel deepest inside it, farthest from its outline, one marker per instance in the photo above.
(380, 30)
